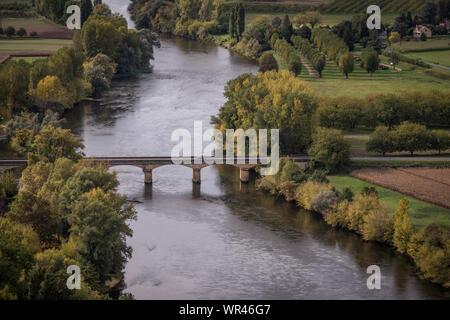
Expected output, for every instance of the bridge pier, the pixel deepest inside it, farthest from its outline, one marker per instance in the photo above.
(244, 175)
(196, 176)
(148, 176)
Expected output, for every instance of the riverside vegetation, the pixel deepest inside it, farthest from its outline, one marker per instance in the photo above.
(64, 211)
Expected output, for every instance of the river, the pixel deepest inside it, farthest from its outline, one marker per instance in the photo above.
(224, 240)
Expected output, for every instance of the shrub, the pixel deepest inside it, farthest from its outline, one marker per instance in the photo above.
(330, 147)
(378, 226)
(267, 185)
(33, 34)
(337, 217)
(403, 230)
(292, 172)
(324, 201)
(367, 191)
(307, 191)
(10, 31)
(267, 62)
(361, 207)
(22, 32)
(288, 190)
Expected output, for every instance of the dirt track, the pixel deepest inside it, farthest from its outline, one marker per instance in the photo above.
(429, 185)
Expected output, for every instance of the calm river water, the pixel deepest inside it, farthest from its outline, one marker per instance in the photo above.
(223, 241)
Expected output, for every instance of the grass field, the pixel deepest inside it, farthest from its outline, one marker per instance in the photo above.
(33, 44)
(20, 22)
(361, 84)
(443, 42)
(327, 19)
(437, 57)
(27, 59)
(422, 213)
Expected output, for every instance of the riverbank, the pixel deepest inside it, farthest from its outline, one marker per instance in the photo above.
(365, 214)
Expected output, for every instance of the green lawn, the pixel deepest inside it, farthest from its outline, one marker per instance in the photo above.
(27, 59)
(437, 57)
(429, 44)
(422, 213)
(33, 44)
(22, 22)
(361, 84)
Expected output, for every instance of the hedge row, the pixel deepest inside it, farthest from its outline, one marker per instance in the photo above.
(407, 59)
(329, 43)
(289, 54)
(315, 57)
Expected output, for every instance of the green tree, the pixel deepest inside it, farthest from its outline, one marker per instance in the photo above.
(18, 245)
(403, 229)
(394, 59)
(292, 172)
(99, 222)
(330, 147)
(346, 62)
(381, 141)
(31, 210)
(267, 62)
(99, 72)
(411, 137)
(10, 31)
(313, 17)
(53, 143)
(440, 140)
(86, 10)
(21, 32)
(286, 29)
(371, 60)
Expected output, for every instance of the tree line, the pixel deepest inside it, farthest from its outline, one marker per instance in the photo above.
(289, 54)
(315, 57)
(431, 109)
(409, 137)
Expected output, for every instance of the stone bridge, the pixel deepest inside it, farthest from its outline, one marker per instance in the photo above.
(148, 164)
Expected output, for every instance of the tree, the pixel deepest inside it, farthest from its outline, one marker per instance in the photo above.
(291, 172)
(403, 230)
(370, 60)
(267, 62)
(240, 21)
(286, 29)
(305, 32)
(10, 31)
(21, 32)
(381, 141)
(206, 10)
(444, 10)
(330, 147)
(31, 210)
(313, 17)
(53, 143)
(394, 59)
(51, 89)
(18, 245)
(440, 140)
(86, 10)
(346, 62)
(429, 13)
(411, 137)
(395, 37)
(99, 222)
(99, 72)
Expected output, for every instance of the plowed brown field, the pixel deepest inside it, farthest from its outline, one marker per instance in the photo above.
(426, 184)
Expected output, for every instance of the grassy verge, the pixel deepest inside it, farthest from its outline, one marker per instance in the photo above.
(422, 213)
(33, 44)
